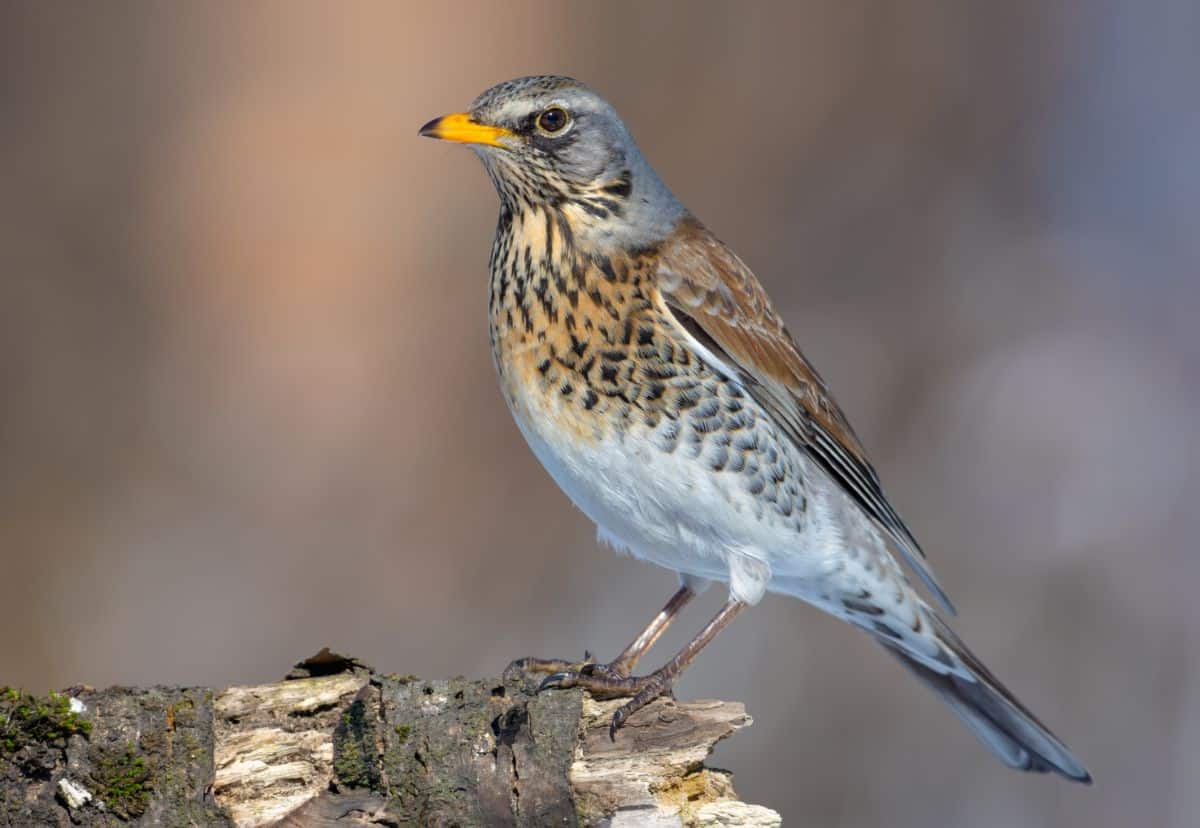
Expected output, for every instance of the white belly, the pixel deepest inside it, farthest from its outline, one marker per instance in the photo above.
(669, 509)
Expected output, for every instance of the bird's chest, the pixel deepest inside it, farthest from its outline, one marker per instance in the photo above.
(564, 347)
(585, 365)
(565, 328)
(570, 382)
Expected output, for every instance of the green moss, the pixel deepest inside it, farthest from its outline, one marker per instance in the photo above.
(403, 731)
(123, 781)
(354, 759)
(349, 767)
(26, 719)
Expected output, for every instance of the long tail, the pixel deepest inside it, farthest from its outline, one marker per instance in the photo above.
(993, 714)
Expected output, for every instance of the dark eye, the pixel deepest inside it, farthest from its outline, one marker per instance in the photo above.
(553, 119)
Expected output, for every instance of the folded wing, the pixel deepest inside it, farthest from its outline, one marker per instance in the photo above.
(723, 310)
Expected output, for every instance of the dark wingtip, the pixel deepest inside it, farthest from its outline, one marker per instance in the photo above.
(1082, 776)
(1070, 770)
(1079, 774)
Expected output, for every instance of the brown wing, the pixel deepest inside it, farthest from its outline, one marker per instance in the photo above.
(717, 301)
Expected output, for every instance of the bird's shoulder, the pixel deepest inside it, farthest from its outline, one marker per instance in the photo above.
(707, 286)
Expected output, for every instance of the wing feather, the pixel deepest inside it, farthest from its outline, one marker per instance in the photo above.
(719, 304)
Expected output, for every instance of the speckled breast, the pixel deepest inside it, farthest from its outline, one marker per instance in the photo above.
(609, 399)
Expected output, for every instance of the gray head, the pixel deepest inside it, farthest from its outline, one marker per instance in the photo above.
(550, 142)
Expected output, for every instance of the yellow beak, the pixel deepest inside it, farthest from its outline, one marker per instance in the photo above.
(460, 127)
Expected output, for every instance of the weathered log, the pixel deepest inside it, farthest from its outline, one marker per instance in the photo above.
(338, 744)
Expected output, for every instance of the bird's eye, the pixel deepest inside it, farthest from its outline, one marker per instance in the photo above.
(553, 120)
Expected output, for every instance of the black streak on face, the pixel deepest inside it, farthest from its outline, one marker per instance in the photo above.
(622, 187)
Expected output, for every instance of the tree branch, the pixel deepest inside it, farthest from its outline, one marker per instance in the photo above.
(339, 744)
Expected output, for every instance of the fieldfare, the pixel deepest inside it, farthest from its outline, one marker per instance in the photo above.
(649, 373)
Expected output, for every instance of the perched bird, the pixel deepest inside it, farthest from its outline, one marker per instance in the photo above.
(649, 373)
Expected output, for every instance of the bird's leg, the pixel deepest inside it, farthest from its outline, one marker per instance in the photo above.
(623, 664)
(643, 689)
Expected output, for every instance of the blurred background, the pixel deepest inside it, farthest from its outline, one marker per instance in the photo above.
(247, 406)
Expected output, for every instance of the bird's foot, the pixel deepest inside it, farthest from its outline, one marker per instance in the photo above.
(604, 681)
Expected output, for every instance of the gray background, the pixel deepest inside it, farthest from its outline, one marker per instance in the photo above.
(247, 406)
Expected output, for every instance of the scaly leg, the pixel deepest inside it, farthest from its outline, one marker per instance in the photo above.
(644, 689)
(623, 664)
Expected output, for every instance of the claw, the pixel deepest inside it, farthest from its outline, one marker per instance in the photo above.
(557, 681)
(618, 719)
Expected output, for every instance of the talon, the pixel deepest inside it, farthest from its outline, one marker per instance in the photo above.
(617, 720)
(557, 681)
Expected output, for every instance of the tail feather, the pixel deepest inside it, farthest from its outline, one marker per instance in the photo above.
(993, 714)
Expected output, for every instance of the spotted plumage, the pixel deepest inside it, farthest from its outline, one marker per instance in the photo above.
(583, 338)
(649, 373)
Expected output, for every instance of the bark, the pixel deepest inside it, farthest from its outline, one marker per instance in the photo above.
(337, 744)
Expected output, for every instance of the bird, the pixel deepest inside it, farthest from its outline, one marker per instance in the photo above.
(651, 376)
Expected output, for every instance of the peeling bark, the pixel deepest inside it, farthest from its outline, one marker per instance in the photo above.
(339, 744)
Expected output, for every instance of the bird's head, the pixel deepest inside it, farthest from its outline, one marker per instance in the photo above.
(549, 141)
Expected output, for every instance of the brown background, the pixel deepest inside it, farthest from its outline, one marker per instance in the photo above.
(248, 406)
